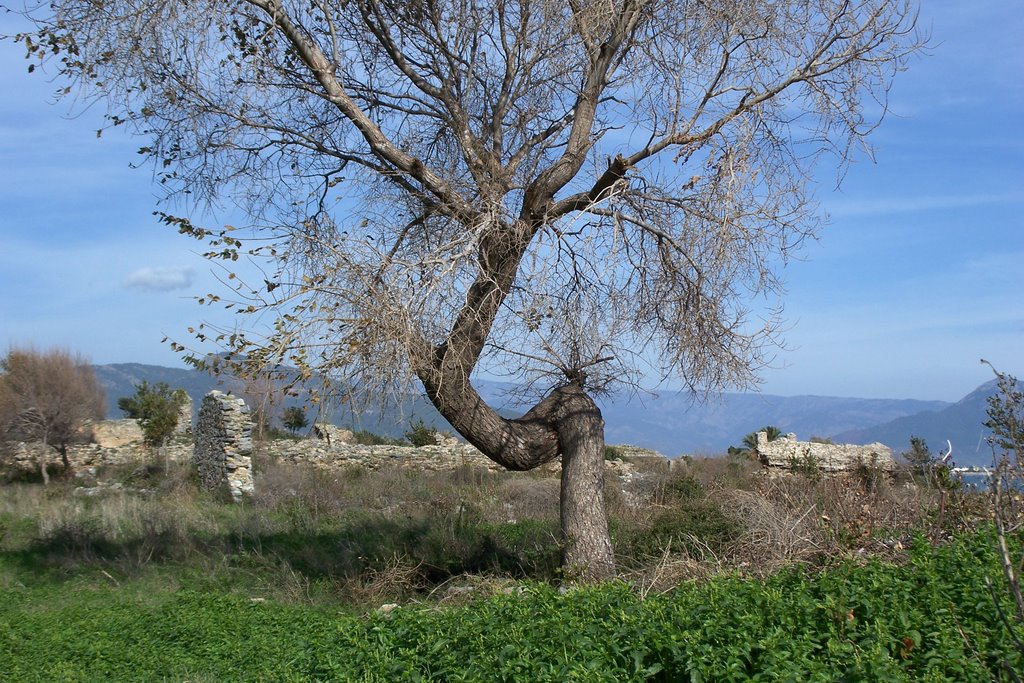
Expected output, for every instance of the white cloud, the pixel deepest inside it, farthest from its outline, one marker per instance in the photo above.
(161, 279)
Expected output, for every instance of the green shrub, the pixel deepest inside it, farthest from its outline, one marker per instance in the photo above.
(691, 521)
(365, 437)
(806, 464)
(295, 419)
(929, 619)
(530, 547)
(868, 474)
(421, 434)
(684, 487)
(690, 526)
(612, 453)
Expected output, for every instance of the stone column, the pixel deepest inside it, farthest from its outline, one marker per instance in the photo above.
(223, 450)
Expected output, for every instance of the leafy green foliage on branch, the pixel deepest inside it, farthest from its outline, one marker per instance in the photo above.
(927, 468)
(1006, 421)
(1006, 415)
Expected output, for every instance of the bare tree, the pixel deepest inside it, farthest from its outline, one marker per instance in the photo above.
(575, 192)
(264, 396)
(48, 397)
(1006, 422)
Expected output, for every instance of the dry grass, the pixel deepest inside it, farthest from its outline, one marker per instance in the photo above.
(398, 578)
(365, 537)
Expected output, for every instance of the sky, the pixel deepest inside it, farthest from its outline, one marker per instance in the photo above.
(918, 276)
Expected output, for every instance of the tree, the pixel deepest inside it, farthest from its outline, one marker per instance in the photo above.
(574, 192)
(262, 394)
(157, 409)
(48, 397)
(750, 440)
(295, 419)
(1005, 414)
(919, 457)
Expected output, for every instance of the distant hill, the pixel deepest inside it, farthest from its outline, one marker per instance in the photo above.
(670, 422)
(960, 423)
(120, 379)
(673, 424)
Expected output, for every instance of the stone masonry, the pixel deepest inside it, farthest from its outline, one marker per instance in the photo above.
(223, 445)
(334, 436)
(184, 425)
(116, 433)
(786, 453)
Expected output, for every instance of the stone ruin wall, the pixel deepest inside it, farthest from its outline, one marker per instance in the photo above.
(339, 453)
(785, 453)
(222, 450)
(223, 445)
(184, 425)
(116, 433)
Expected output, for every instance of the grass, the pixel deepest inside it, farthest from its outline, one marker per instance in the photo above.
(157, 581)
(344, 536)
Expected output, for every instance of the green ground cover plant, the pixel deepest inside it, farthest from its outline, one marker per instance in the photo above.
(930, 619)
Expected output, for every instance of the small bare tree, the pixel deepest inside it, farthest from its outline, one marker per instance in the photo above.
(575, 192)
(48, 397)
(1006, 422)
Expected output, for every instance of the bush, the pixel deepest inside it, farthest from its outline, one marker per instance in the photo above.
(868, 474)
(806, 464)
(693, 526)
(420, 434)
(927, 469)
(693, 521)
(927, 620)
(364, 437)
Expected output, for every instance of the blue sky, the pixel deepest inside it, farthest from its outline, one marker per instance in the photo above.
(920, 273)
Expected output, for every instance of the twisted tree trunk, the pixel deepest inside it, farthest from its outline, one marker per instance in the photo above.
(587, 553)
(565, 423)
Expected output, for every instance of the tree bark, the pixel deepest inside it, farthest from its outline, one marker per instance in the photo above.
(587, 554)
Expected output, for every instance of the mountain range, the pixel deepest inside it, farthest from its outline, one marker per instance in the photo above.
(673, 423)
